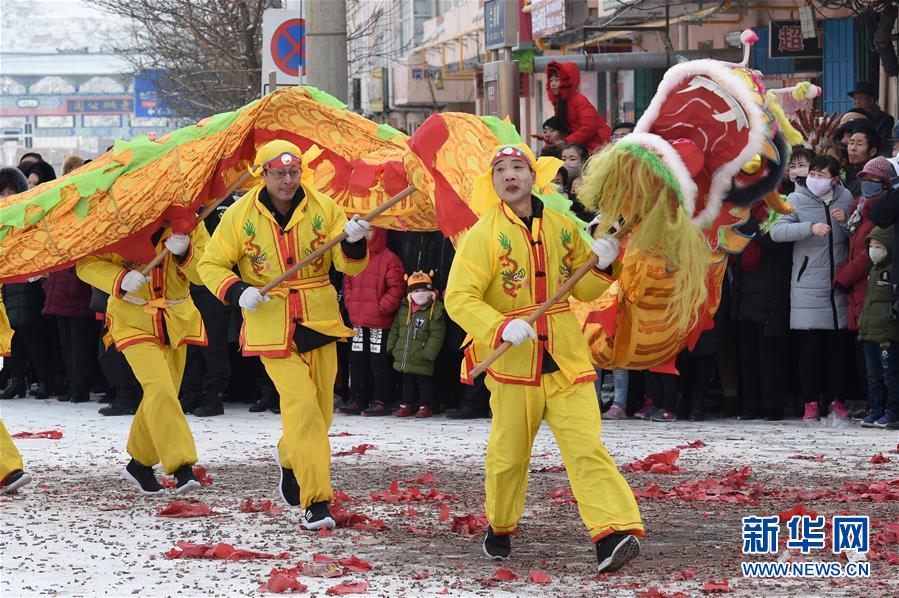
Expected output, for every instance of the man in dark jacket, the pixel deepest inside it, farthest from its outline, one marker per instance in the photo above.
(864, 95)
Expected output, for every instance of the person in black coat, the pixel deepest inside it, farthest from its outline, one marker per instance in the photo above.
(24, 302)
(760, 284)
(207, 375)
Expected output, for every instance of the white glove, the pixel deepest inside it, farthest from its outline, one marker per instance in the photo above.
(517, 331)
(251, 298)
(133, 281)
(35, 278)
(606, 249)
(177, 244)
(355, 229)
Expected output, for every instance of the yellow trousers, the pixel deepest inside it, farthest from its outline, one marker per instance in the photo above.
(305, 382)
(604, 499)
(10, 459)
(159, 432)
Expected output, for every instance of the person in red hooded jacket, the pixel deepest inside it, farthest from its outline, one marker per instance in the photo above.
(372, 297)
(585, 124)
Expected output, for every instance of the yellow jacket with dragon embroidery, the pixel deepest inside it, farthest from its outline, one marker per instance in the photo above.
(161, 307)
(503, 270)
(249, 237)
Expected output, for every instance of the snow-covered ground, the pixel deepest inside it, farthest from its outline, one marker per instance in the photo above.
(80, 530)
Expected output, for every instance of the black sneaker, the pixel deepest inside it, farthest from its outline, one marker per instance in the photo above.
(615, 550)
(318, 516)
(498, 548)
(288, 486)
(185, 480)
(142, 477)
(14, 481)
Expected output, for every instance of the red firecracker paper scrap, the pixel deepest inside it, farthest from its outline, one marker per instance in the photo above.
(220, 551)
(356, 450)
(716, 586)
(656, 463)
(181, 510)
(282, 583)
(264, 506)
(425, 479)
(468, 524)
(692, 445)
(342, 589)
(48, 434)
(394, 494)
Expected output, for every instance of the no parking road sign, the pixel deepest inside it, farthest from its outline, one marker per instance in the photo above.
(288, 47)
(283, 47)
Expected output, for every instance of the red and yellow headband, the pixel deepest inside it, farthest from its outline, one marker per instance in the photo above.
(510, 151)
(285, 160)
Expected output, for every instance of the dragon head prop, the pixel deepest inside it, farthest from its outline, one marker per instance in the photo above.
(711, 135)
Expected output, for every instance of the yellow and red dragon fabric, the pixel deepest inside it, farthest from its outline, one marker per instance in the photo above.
(117, 201)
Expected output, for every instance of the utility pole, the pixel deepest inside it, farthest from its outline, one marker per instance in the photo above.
(326, 61)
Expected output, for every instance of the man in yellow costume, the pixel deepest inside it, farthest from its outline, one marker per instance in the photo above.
(294, 327)
(151, 319)
(12, 473)
(513, 259)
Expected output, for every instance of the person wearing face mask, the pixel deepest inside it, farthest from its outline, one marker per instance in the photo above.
(415, 340)
(879, 334)
(573, 157)
(517, 255)
(851, 278)
(820, 236)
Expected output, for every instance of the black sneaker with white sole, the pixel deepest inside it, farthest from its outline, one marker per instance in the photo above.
(14, 481)
(185, 480)
(288, 486)
(142, 477)
(318, 516)
(498, 548)
(615, 550)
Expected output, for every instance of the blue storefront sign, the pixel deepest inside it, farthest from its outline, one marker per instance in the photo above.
(147, 103)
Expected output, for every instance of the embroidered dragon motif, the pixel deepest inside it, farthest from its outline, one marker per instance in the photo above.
(568, 257)
(318, 229)
(254, 251)
(512, 275)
